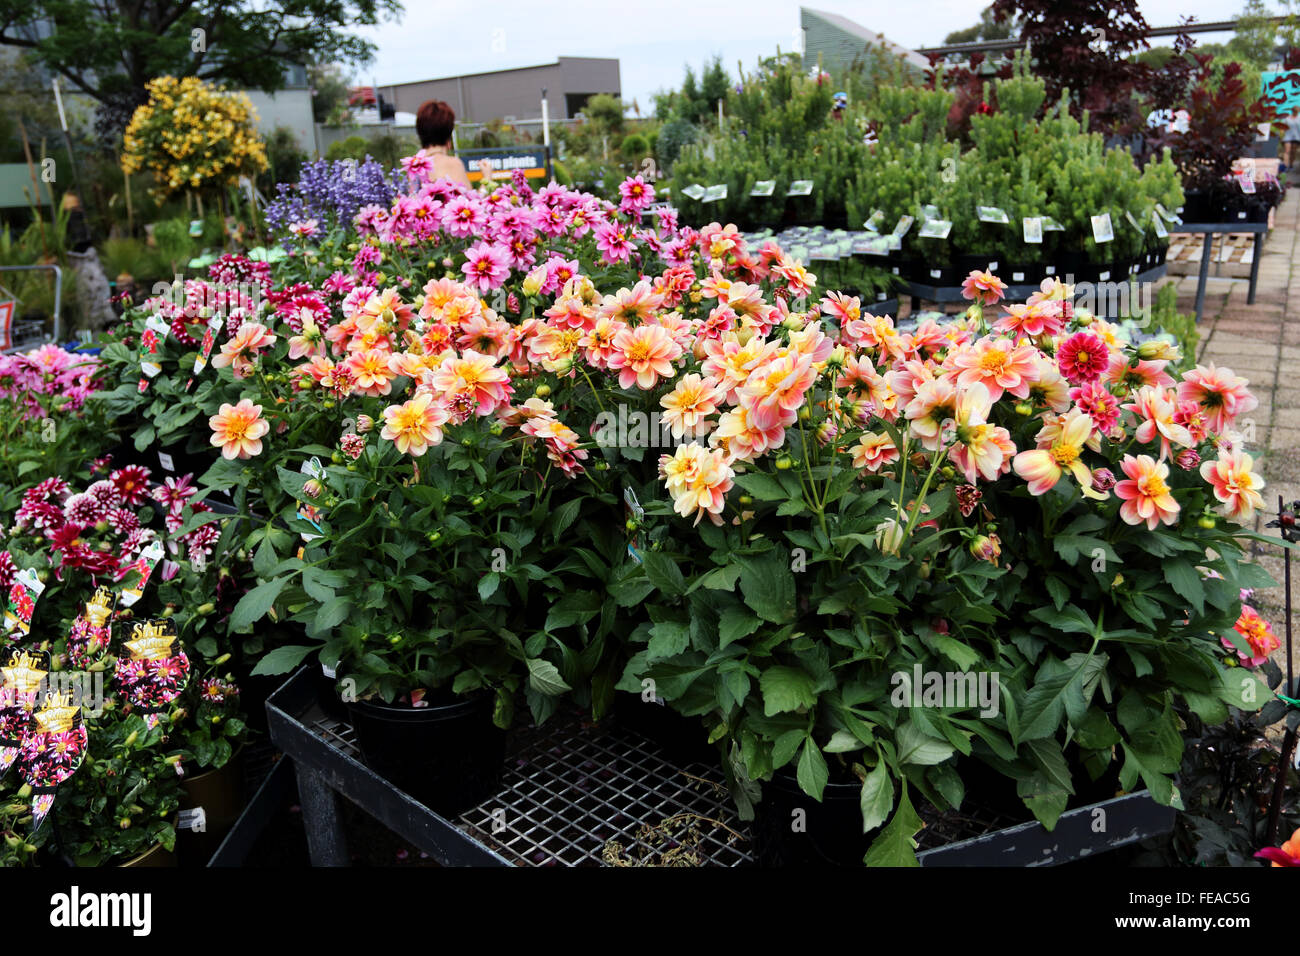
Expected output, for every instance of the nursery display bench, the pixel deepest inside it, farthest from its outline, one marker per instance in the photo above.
(578, 795)
(945, 294)
(1211, 229)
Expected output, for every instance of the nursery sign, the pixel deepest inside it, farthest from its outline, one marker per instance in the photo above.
(1281, 90)
(535, 162)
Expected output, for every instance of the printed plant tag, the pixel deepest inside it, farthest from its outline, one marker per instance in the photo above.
(929, 211)
(1051, 225)
(20, 604)
(52, 751)
(874, 223)
(694, 191)
(875, 246)
(935, 229)
(165, 460)
(143, 565)
(904, 224)
(1161, 230)
(89, 636)
(154, 669)
(992, 214)
(800, 187)
(1032, 227)
(764, 187)
(1165, 214)
(1134, 223)
(22, 682)
(1102, 230)
(205, 348)
(1247, 183)
(714, 193)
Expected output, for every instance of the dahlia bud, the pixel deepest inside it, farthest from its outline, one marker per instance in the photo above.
(1188, 459)
(512, 303)
(986, 547)
(826, 433)
(312, 488)
(837, 358)
(534, 280)
(1103, 479)
(364, 424)
(889, 536)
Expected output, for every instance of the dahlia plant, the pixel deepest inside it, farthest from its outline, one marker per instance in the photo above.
(1030, 497)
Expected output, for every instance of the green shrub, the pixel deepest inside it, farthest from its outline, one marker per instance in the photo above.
(354, 147)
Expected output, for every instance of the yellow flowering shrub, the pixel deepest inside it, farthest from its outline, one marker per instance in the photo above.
(192, 135)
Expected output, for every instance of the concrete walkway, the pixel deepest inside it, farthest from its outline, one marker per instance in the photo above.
(1261, 342)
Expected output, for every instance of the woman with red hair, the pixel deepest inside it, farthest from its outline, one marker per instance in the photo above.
(434, 124)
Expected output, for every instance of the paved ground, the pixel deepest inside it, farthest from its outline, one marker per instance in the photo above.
(1261, 342)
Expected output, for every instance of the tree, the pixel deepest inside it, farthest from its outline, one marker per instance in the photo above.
(989, 28)
(1255, 39)
(110, 51)
(330, 87)
(1086, 46)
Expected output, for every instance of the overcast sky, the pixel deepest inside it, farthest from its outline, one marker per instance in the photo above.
(654, 39)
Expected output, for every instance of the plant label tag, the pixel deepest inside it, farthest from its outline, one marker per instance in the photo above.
(1134, 223)
(800, 187)
(1102, 230)
(1032, 227)
(935, 229)
(992, 214)
(1246, 182)
(764, 187)
(904, 224)
(929, 211)
(142, 565)
(993, 266)
(1017, 277)
(873, 224)
(1049, 270)
(1103, 275)
(1051, 225)
(694, 191)
(165, 460)
(1165, 214)
(875, 246)
(714, 193)
(1161, 230)
(20, 602)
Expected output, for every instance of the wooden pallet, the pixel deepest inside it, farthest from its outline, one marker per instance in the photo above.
(1231, 254)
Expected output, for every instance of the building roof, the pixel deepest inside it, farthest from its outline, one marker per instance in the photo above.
(868, 37)
(512, 69)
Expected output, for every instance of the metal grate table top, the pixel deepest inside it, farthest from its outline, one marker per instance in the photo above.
(575, 795)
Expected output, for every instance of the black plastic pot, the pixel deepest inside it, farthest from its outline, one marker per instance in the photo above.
(793, 829)
(1021, 273)
(964, 264)
(886, 306)
(448, 756)
(683, 740)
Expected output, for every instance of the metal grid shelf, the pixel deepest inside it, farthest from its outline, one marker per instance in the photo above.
(576, 795)
(586, 796)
